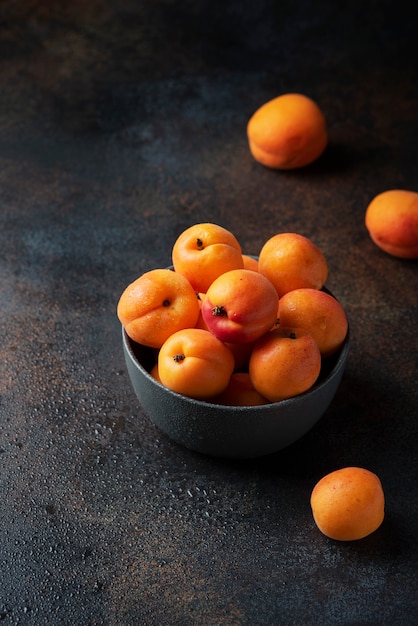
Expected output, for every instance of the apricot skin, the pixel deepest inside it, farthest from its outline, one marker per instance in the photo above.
(317, 312)
(284, 362)
(240, 306)
(292, 261)
(287, 132)
(392, 222)
(203, 252)
(157, 304)
(348, 504)
(194, 363)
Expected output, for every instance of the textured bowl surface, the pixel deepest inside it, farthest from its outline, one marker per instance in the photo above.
(225, 431)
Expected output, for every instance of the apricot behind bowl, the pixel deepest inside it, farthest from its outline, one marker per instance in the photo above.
(230, 431)
(287, 132)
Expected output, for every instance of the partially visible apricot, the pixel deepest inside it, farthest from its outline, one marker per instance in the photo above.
(392, 221)
(195, 363)
(154, 373)
(200, 321)
(240, 306)
(250, 263)
(241, 352)
(287, 132)
(157, 304)
(317, 312)
(203, 252)
(240, 392)
(292, 261)
(348, 504)
(284, 362)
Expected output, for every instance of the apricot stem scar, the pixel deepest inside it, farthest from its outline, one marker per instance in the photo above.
(292, 335)
(179, 357)
(166, 303)
(219, 311)
(199, 243)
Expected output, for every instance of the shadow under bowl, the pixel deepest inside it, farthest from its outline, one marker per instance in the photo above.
(233, 432)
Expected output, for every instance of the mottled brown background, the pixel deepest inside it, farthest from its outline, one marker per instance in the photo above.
(122, 123)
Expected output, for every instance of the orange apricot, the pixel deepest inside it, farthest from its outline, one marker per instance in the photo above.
(392, 222)
(240, 392)
(348, 504)
(195, 363)
(240, 306)
(157, 304)
(317, 312)
(241, 352)
(203, 252)
(292, 261)
(250, 263)
(284, 362)
(287, 132)
(154, 373)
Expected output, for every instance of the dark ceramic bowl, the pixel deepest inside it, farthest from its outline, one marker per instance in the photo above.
(225, 431)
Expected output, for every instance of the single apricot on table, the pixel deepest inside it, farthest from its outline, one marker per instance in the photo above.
(348, 504)
(203, 252)
(317, 312)
(292, 261)
(240, 306)
(284, 362)
(392, 222)
(157, 304)
(287, 132)
(194, 363)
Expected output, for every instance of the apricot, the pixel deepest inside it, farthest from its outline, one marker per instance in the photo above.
(348, 504)
(241, 352)
(292, 261)
(392, 222)
(317, 312)
(287, 132)
(203, 252)
(284, 362)
(157, 304)
(154, 373)
(250, 263)
(240, 306)
(240, 392)
(195, 363)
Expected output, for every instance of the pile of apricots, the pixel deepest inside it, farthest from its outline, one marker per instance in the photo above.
(234, 329)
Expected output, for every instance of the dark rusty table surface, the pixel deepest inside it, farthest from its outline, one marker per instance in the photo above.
(121, 124)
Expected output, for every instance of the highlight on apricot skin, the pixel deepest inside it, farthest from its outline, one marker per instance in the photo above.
(348, 504)
(287, 132)
(392, 222)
